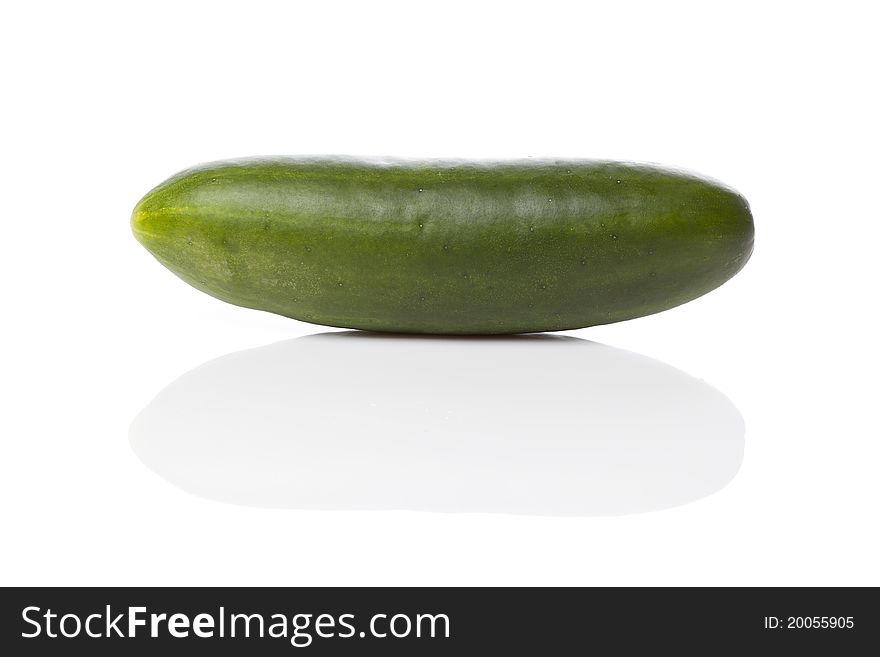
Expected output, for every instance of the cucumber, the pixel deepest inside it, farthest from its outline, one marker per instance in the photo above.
(447, 246)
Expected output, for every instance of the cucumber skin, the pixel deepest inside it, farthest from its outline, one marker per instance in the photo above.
(449, 247)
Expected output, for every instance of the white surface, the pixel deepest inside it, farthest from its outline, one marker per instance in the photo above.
(536, 424)
(103, 101)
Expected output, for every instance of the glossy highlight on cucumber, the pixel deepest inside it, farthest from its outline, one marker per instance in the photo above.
(454, 247)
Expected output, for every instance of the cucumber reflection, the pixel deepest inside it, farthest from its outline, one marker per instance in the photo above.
(545, 425)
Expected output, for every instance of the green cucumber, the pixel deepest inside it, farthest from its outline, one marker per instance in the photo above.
(447, 246)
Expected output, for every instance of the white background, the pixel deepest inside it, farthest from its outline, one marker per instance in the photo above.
(104, 100)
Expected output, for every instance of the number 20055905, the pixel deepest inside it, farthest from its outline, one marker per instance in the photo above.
(809, 622)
